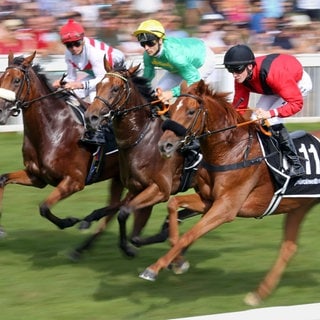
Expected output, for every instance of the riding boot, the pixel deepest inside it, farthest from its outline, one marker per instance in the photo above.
(288, 149)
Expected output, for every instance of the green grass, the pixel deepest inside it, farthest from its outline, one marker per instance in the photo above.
(39, 282)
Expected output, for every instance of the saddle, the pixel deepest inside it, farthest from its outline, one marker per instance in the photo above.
(308, 149)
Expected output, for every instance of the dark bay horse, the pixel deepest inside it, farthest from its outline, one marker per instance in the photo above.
(240, 183)
(51, 150)
(124, 97)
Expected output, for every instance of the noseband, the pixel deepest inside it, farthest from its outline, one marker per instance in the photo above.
(188, 134)
(15, 98)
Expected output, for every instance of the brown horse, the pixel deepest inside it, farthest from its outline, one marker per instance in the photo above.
(239, 181)
(124, 97)
(51, 150)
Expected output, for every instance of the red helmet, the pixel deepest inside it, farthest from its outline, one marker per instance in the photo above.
(72, 31)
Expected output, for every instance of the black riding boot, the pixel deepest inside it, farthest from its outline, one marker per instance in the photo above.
(288, 149)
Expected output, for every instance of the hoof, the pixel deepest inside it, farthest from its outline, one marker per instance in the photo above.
(129, 252)
(148, 274)
(84, 225)
(137, 242)
(252, 299)
(180, 268)
(3, 234)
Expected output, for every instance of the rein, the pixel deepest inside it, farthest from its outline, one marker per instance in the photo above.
(122, 112)
(20, 103)
(211, 167)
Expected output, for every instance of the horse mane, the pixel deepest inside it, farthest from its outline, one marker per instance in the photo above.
(141, 83)
(38, 70)
(220, 99)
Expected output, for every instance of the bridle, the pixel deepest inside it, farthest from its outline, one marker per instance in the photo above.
(117, 110)
(19, 102)
(125, 95)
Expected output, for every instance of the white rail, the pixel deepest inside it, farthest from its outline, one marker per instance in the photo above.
(55, 66)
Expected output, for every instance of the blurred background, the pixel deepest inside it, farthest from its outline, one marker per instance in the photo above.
(266, 25)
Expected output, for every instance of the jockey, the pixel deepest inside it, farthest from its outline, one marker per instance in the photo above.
(282, 83)
(186, 59)
(86, 55)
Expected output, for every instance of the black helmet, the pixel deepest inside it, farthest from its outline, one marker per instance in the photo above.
(238, 55)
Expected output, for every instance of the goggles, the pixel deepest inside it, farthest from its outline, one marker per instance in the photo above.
(149, 43)
(236, 68)
(72, 44)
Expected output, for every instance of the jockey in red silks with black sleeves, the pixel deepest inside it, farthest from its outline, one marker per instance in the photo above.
(282, 83)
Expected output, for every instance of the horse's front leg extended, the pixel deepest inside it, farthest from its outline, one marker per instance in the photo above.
(64, 189)
(218, 214)
(19, 177)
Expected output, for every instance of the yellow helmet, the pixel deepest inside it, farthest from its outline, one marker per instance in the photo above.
(150, 27)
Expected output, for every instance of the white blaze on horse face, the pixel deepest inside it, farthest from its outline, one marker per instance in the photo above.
(7, 94)
(179, 105)
(105, 80)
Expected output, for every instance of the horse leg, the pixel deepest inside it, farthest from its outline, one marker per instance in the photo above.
(218, 214)
(193, 206)
(163, 234)
(287, 250)
(19, 177)
(115, 193)
(106, 214)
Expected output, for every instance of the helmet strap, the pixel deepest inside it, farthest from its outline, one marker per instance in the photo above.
(160, 42)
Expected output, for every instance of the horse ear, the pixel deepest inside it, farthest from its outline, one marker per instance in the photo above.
(183, 87)
(133, 69)
(107, 66)
(28, 60)
(201, 88)
(10, 58)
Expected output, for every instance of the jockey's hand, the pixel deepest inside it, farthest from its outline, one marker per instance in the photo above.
(164, 96)
(262, 114)
(73, 85)
(56, 84)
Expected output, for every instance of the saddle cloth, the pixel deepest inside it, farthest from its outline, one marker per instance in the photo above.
(307, 186)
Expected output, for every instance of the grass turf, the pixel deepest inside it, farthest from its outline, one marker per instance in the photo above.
(39, 281)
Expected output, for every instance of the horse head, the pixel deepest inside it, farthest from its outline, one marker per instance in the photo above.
(191, 117)
(186, 119)
(112, 94)
(14, 86)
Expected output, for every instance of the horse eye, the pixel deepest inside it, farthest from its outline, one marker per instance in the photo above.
(17, 80)
(191, 112)
(116, 89)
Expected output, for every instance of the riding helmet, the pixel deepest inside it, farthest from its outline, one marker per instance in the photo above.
(239, 55)
(149, 29)
(71, 31)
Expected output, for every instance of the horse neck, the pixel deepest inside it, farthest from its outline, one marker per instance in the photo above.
(225, 143)
(134, 126)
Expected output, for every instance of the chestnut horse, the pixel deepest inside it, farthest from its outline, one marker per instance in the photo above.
(124, 97)
(51, 150)
(239, 181)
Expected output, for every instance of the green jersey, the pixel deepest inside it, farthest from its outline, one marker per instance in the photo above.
(182, 56)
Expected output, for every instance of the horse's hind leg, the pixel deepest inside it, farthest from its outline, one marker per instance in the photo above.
(87, 244)
(287, 250)
(115, 193)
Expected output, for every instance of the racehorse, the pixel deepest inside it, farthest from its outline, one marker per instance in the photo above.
(126, 98)
(240, 183)
(51, 150)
